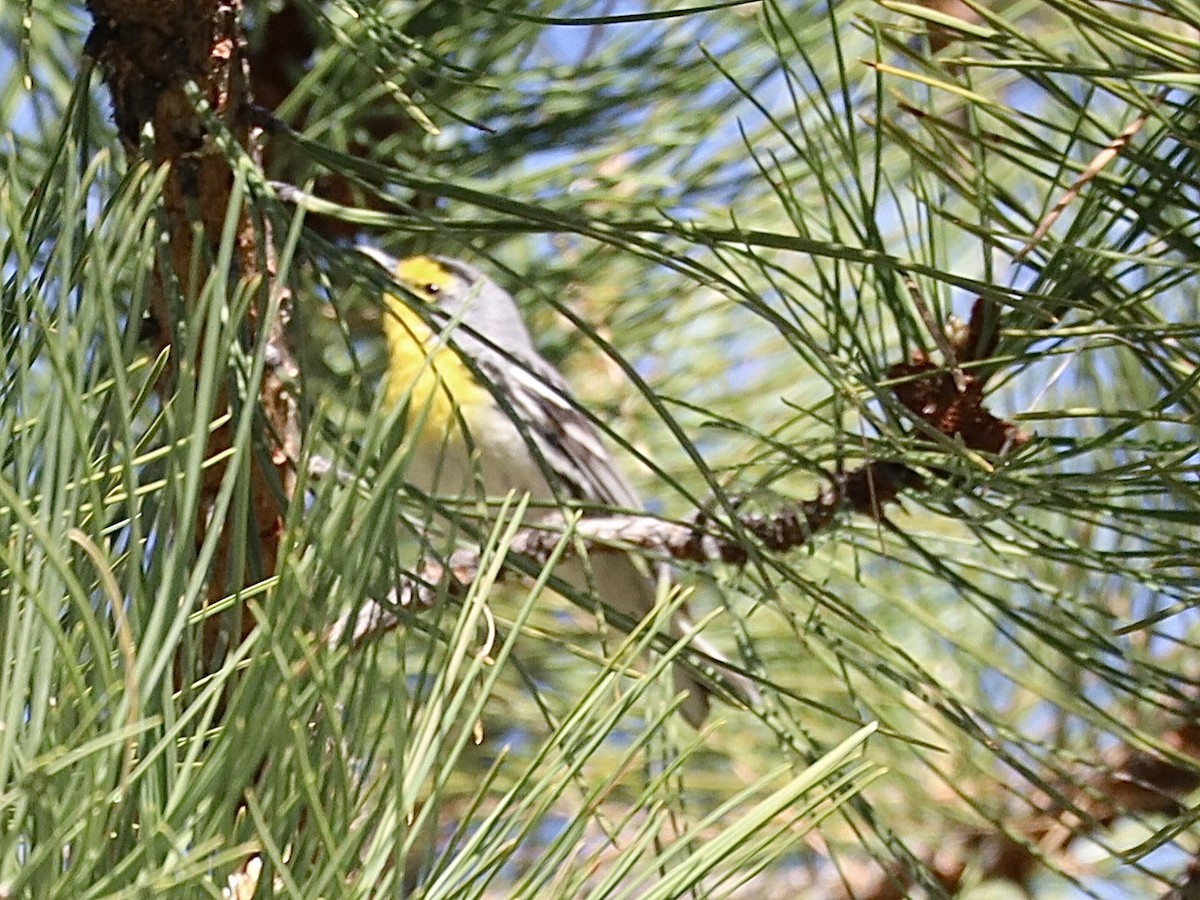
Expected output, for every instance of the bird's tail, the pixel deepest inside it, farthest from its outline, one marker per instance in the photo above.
(618, 579)
(737, 685)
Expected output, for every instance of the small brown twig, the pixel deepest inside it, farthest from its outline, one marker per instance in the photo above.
(1099, 162)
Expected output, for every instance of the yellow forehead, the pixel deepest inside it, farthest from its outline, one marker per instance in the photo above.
(419, 271)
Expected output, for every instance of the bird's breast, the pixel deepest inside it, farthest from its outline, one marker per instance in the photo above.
(443, 398)
(430, 375)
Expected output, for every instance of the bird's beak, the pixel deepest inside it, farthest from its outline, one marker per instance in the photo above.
(383, 260)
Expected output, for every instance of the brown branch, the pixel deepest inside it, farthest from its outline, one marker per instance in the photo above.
(865, 491)
(153, 53)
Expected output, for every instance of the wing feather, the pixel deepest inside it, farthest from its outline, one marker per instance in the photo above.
(568, 442)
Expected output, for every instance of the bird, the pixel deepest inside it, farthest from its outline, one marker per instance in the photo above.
(489, 415)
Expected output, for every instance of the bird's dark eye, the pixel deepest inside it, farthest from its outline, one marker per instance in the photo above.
(433, 288)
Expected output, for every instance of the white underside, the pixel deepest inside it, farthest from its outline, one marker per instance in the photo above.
(470, 475)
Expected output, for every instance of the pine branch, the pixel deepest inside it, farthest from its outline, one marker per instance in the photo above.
(180, 70)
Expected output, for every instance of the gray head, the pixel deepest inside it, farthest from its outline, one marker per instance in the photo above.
(460, 293)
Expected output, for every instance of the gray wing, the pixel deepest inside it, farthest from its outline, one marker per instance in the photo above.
(568, 443)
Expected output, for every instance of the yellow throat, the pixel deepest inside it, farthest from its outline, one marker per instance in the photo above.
(422, 368)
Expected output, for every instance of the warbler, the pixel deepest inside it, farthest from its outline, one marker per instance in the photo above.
(523, 433)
